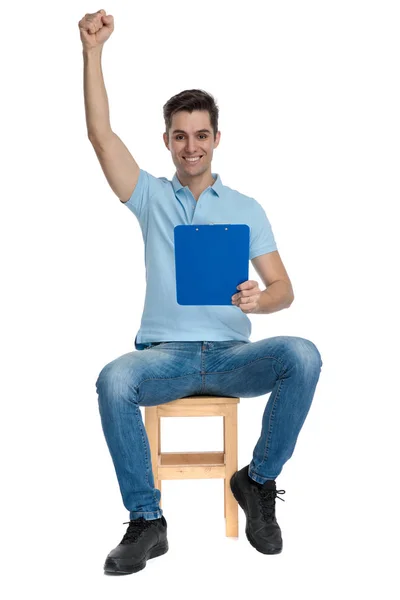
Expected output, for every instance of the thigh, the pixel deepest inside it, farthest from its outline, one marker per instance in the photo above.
(252, 369)
(154, 375)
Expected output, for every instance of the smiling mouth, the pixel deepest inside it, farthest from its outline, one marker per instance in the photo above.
(193, 160)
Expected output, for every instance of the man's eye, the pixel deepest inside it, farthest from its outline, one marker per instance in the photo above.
(201, 135)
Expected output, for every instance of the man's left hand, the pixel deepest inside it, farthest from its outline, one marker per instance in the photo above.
(248, 296)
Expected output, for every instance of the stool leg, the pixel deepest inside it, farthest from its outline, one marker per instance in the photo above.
(231, 465)
(158, 482)
(223, 420)
(152, 425)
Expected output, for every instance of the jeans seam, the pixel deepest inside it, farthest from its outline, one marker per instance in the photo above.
(271, 421)
(140, 421)
(148, 464)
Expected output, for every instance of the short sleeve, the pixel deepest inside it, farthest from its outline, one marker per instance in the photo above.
(262, 238)
(147, 185)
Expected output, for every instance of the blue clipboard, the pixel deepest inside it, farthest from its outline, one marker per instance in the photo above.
(210, 262)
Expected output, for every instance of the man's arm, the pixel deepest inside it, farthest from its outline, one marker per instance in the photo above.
(279, 293)
(119, 167)
(276, 297)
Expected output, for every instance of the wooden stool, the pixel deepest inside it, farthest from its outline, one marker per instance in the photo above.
(198, 465)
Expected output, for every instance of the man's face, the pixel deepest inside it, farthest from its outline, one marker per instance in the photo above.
(191, 136)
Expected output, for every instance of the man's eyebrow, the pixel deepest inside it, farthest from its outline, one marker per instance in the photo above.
(198, 131)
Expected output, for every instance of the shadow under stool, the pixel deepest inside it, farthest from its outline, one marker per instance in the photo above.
(198, 465)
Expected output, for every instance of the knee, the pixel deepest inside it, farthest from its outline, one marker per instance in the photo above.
(114, 383)
(103, 378)
(305, 353)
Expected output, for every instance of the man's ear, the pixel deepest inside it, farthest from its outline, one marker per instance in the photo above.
(217, 139)
(165, 136)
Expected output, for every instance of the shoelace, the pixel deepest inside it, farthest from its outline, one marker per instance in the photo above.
(267, 503)
(135, 529)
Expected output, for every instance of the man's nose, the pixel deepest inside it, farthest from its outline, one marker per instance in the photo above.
(191, 146)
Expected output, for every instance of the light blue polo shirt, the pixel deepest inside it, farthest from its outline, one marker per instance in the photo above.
(159, 205)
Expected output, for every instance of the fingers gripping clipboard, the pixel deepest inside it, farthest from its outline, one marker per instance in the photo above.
(210, 262)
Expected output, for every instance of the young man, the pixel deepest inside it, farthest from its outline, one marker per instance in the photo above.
(189, 350)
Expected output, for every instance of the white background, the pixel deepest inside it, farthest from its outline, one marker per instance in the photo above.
(309, 118)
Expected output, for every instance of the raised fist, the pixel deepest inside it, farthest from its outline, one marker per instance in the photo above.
(95, 29)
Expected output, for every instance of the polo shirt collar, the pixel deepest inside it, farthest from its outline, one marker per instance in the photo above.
(216, 187)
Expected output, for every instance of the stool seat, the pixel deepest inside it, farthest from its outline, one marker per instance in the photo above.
(198, 465)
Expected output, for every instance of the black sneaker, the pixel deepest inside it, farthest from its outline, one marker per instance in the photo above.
(258, 503)
(142, 540)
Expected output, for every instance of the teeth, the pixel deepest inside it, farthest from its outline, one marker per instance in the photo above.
(193, 159)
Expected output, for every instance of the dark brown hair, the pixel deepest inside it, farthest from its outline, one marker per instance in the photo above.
(191, 100)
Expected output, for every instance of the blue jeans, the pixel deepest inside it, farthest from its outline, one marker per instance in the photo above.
(287, 366)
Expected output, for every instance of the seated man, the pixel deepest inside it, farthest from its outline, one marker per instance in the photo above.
(193, 350)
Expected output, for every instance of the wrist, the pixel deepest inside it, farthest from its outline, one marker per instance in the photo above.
(95, 51)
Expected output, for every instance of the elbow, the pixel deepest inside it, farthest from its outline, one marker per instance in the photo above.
(94, 140)
(290, 298)
(100, 141)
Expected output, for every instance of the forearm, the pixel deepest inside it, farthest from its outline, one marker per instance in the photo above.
(96, 101)
(277, 296)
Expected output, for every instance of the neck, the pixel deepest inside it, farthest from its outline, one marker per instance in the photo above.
(198, 183)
